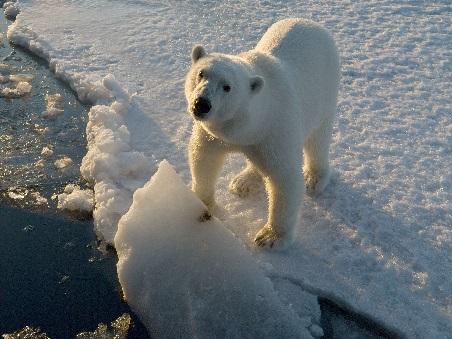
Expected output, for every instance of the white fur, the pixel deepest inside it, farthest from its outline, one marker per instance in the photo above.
(282, 97)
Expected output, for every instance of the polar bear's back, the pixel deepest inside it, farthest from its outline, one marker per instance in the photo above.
(294, 38)
(308, 54)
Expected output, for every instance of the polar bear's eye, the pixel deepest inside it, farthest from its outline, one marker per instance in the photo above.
(201, 74)
(226, 88)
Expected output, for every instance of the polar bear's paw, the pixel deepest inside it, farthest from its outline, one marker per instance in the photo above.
(212, 209)
(244, 184)
(269, 238)
(316, 181)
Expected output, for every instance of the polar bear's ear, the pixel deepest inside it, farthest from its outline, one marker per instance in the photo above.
(197, 53)
(256, 84)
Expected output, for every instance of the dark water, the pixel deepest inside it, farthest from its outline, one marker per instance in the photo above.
(338, 322)
(52, 275)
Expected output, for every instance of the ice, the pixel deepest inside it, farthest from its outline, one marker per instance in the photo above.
(28, 196)
(379, 239)
(119, 330)
(11, 9)
(40, 163)
(63, 162)
(21, 77)
(190, 278)
(26, 333)
(38, 198)
(54, 106)
(17, 194)
(22, 88)
(75, 199)
(47, 151)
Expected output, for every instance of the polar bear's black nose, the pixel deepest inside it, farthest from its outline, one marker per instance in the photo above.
(201, 107)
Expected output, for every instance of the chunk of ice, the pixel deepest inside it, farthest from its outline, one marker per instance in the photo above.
(75, 199)
(119, 330)
(187, 278)
(63, 162)
(47, 151)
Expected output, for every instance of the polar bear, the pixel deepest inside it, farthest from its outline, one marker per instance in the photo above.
(272, 103)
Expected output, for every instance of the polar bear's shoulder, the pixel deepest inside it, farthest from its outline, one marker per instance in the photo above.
(288, 33)
(263, 63)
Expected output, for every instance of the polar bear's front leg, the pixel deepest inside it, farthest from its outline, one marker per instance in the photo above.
(206, 157)
(284, 185)
(284, 196)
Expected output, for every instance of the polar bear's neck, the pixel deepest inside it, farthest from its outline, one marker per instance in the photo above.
(243, 130)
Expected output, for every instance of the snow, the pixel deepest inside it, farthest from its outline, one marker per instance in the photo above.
(213, 286)
(379, 239)
(75, 199)
(115, 169)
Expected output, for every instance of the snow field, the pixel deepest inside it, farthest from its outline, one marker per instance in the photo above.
(379, 239)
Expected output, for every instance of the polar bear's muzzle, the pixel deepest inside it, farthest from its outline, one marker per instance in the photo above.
(201, 107)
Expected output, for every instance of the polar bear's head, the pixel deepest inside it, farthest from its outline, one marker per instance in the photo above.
(219, 89)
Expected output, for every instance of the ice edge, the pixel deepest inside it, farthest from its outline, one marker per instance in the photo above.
(109, 153)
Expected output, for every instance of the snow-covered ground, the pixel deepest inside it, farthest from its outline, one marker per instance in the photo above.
(379, 240)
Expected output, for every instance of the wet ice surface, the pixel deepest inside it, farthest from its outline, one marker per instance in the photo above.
(53, 277)
(37, 155)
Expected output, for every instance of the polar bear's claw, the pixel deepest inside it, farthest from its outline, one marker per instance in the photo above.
(206, 216)
(316, 182)
(267, 237)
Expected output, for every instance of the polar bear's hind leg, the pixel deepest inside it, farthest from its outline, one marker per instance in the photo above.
(316, 158)
(246, 182)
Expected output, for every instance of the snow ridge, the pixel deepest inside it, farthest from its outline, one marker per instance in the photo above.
(115, 169)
